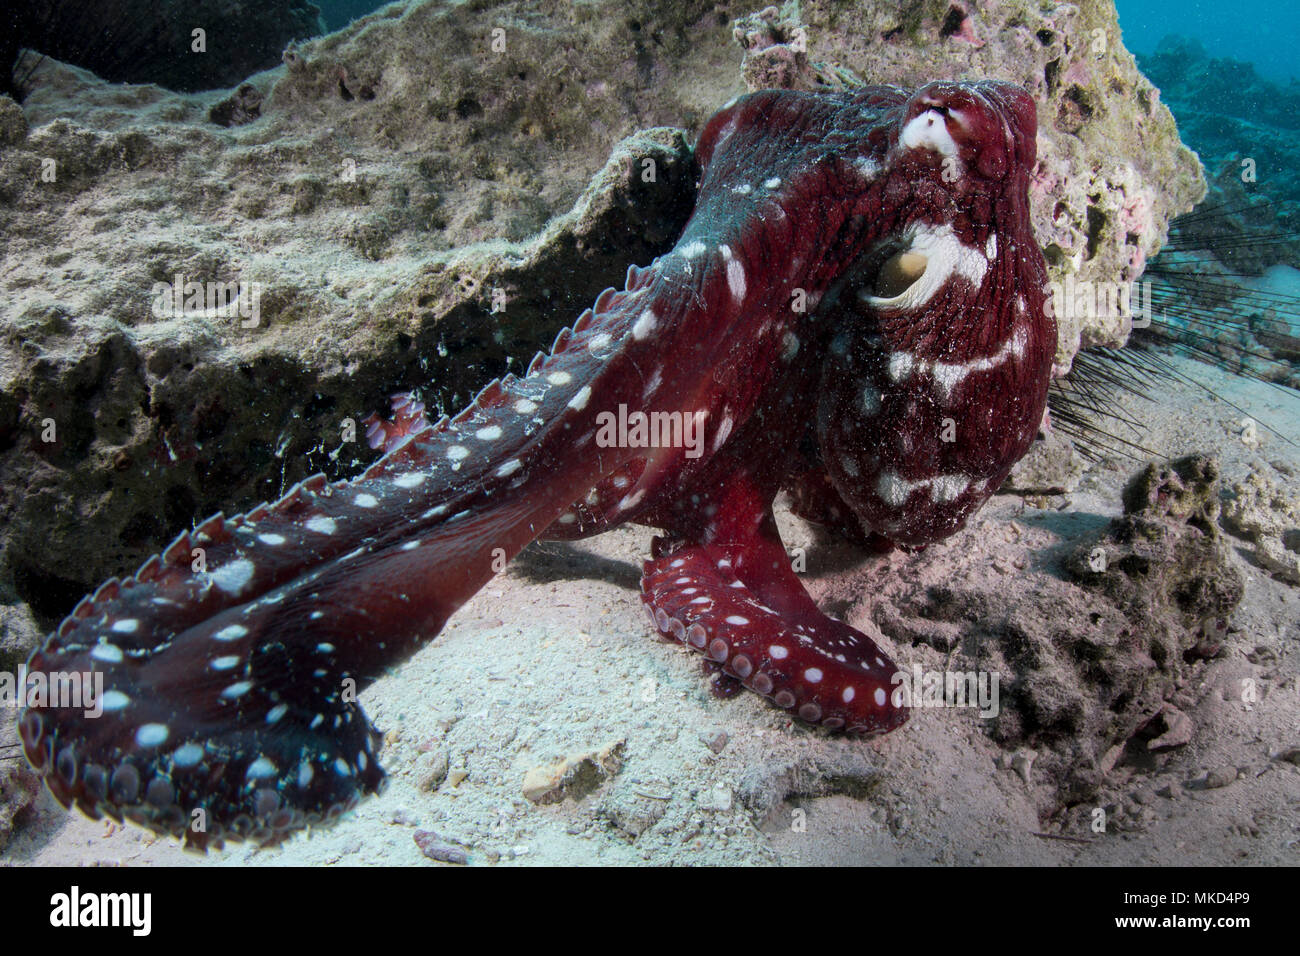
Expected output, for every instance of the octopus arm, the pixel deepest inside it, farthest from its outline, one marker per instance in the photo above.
(727, 590)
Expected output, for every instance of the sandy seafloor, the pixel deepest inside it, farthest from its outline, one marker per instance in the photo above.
(556, 657)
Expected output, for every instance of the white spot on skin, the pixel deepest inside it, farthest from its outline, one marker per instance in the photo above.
(599, 342)
(412, 479)
(525, 407)
(490, 433)
(645, 325)
(789, 346)
(237, 690)
(509, 468)
(305, 773)
(744, 189)
(813, 675)
(879, 697)
(928, 130)
(260, 769)
(893, 489)
(725, 132)
(225, 663)
(114, 700)
(693, 250)
(652, 386)
(724, 430)
(559, 378)
(128, 626)
(567, 518)
(275, 713)
(410, 545)
(947, 488)
(772, 183)
(321, 524)
(579, 401)
(900, 365)
(848, 695)
(948, 375)
(108, 653)
(233, 577)
(991, 247)
(271, 538)
(777, 652)
(457, 452)
(187, 756)
(152, 735)
(737, 620)
(232, 632)
(1019, 341)
(631, 501)
(365, 500)
(735, 274)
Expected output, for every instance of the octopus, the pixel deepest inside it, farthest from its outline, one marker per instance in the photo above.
(854, 314)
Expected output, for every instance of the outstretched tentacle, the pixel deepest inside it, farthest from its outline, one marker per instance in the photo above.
(729, 593)
(229, 664)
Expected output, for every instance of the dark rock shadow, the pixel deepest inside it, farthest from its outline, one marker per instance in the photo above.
(831, 553)
(545, 562)
(1246, 551)
(1071, 526)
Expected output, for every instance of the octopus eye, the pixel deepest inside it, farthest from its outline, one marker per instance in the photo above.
(899, 273)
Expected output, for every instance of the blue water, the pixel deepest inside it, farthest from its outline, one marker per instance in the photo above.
(1265, 33)
(339, 13)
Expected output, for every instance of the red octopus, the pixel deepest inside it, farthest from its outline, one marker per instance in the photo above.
(854, 312)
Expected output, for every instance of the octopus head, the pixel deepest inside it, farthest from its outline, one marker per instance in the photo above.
(936, 381)
(980, 129)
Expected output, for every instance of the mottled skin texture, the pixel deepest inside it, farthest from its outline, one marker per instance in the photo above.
(854, 312)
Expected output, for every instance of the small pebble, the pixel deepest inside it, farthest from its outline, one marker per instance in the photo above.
(435, 848)
(434, 772)
(1023, 763)
(1220, 777)
(715, 740)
